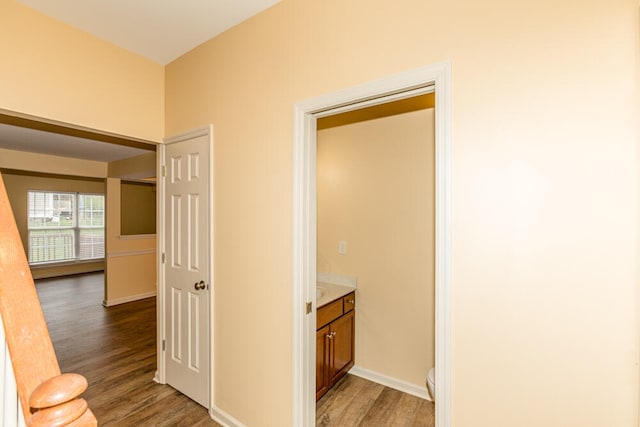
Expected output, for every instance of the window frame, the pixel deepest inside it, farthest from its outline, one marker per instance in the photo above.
(75, 226)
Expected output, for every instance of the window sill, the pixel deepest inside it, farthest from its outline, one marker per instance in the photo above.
(42, 265)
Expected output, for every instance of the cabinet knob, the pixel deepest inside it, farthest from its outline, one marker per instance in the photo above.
(351, 301)
(331, 335)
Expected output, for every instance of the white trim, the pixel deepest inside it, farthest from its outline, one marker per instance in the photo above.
(221, 417)
(394, 383)
(304, 267)
(11, 413)
(444, 250)
(160, 375)
(423, 80)
(211, 275)
(137, 236)
(123, 300)
(201, 131)
(131, 253)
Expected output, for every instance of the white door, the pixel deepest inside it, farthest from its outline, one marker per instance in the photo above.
(186, 266)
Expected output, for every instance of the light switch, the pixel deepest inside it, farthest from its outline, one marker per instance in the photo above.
(342, 247)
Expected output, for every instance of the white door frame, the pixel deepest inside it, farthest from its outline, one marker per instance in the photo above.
(160, 376)
(415, 82)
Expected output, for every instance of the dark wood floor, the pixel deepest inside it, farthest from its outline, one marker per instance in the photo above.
(115, 349)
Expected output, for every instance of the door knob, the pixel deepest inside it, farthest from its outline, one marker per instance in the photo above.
(200, 285)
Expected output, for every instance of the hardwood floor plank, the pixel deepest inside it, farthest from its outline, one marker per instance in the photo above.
(382, 412)
(360, 403)
(425, 415)
(336, 401)
(355, 401)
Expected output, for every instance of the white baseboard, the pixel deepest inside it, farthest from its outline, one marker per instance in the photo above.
(112, 302)
(403, 386)
(221, 417)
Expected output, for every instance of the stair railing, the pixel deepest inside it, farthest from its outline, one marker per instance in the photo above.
(47, 397)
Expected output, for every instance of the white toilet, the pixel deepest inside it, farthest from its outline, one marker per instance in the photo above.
(431, 383)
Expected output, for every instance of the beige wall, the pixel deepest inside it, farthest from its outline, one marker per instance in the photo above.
(44, 163)
(18, 183)
(130, 271)
(54, 71)
(139, 167)
(375, 189)
(137, 208)
(545, 173)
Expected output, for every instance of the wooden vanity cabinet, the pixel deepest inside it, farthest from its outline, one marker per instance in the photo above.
(335, 342)
(322, 361)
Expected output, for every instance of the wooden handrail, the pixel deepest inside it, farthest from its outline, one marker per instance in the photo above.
(32, 354)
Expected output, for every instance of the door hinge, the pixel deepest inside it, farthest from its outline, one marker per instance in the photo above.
(309, 307)
(163, 257)
(164, 345)
(164, 170)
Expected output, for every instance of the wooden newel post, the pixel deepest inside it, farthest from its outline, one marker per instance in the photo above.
(55, 402)
(47, 397)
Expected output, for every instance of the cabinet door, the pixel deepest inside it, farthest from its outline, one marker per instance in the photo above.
(342, 346)
(322, 361)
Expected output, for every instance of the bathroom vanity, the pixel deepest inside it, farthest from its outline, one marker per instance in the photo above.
(335, 340)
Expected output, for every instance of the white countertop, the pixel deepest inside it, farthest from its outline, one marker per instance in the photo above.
(327, 292)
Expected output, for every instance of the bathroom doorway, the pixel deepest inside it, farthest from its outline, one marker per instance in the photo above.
(432, 79)
(375, 189)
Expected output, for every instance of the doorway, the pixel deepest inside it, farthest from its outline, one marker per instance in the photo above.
(375, 197)
(426, 80)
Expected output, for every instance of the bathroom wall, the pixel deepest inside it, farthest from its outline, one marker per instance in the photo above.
(375, 184)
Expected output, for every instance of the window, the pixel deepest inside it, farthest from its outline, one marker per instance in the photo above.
(65, 226)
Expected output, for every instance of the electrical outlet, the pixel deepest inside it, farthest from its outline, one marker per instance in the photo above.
(342, 247)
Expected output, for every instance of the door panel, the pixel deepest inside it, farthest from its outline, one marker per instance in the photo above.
(322, 361)
(343, 346)
(176, 325)
(194, 234)
(194, 332)
(187, 267)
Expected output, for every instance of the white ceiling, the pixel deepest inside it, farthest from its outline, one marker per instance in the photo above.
(161, 30)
